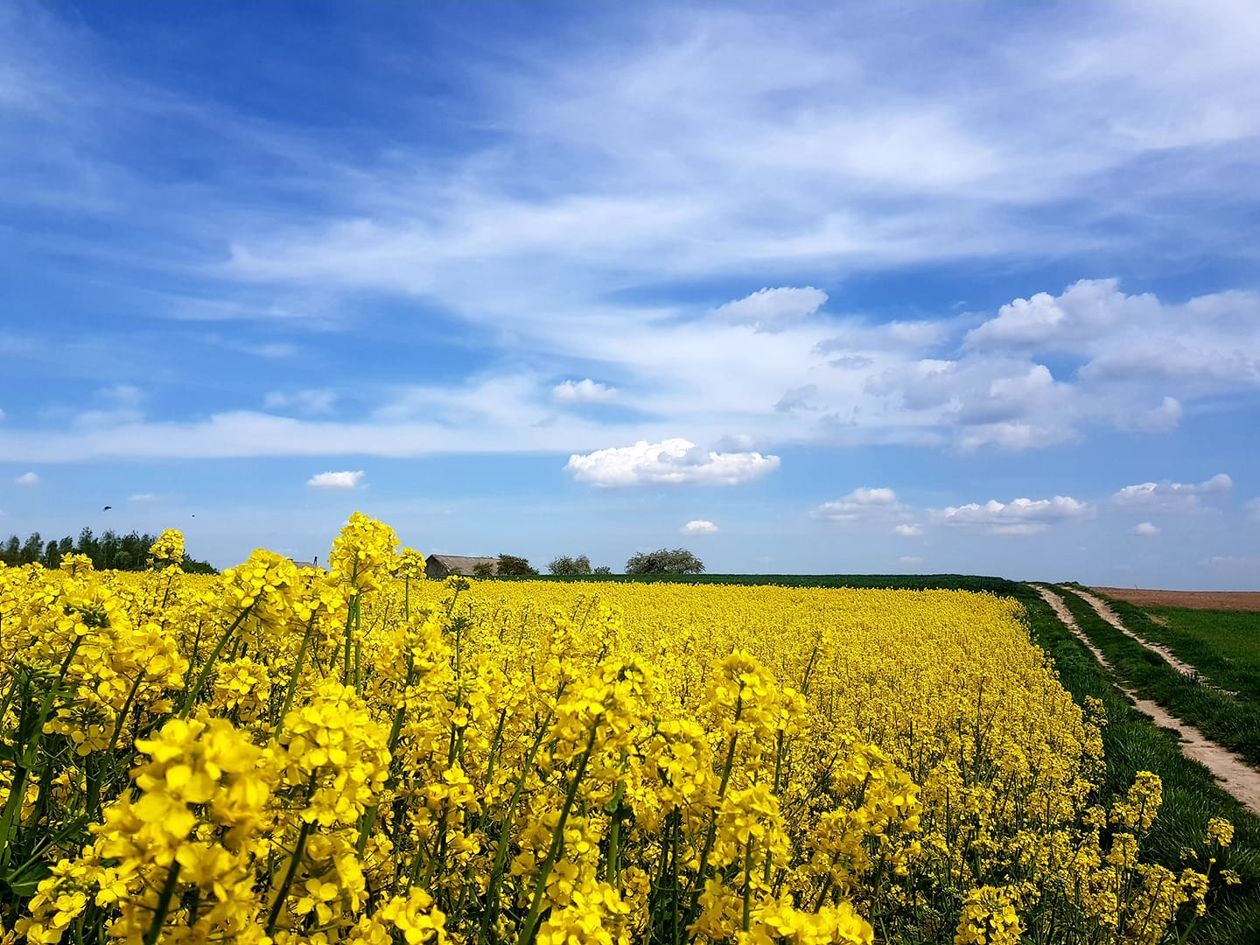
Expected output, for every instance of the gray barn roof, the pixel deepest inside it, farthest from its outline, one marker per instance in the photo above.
(463, 564)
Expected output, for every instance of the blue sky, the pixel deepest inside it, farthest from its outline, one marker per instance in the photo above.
(886, 287)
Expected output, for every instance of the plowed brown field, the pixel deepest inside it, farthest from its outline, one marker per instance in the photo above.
(1198, 600)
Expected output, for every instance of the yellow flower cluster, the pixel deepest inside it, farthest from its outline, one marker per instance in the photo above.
(169, 548)
(306, 757)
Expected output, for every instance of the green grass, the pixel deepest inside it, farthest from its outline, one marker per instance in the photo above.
(1133, 743)
(1231, 721)
(1222, 645)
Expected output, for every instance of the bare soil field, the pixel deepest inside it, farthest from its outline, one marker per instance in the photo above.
(1197, 600)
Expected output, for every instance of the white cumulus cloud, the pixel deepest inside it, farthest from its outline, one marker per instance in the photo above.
(1017, 517)
(908, 530)
(1253, 509)
(1172, 495)
(673, 461)
(336, 480)
(699, 526)
(860, 503)
(1211, 342)
(27, 479)
(1146, 529)
(585, 391)
(773, 309)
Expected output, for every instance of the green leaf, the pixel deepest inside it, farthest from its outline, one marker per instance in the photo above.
(24, 881)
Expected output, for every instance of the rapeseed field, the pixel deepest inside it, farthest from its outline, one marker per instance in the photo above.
(359, 755)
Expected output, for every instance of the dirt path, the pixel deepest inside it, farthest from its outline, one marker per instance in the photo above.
(1109, 615)
(1236, 776)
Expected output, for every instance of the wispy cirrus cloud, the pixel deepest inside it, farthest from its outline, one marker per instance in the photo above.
(766, 175)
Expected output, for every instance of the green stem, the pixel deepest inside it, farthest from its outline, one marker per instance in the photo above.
(191, 697)
(778, 773)
(26, 744)
(395, 731)
(530, 928)
(163, 905)
(747, 882)
(612, 870)
(505, 831)
(698, 887)
(283, 893)
(94, 783)
(293, 679)
(65, 665)
(352, 622)
(122, 715)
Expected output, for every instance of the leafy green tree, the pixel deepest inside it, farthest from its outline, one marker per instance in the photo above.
(664, 561)
(602, 569)
(566, 565)
(33, 550)
(512, 566)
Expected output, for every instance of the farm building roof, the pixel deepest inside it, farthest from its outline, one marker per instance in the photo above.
(461, 564)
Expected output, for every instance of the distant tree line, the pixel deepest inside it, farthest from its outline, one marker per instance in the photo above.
(661, 561)
(128, 552)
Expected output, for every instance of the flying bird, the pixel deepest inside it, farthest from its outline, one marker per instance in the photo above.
(107, 508)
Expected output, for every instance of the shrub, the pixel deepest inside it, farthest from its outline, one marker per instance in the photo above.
(664, 561)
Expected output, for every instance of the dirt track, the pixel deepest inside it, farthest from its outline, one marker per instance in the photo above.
(1197, 600)
(1109, 615)
(1235, 775)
